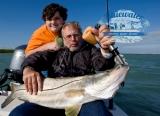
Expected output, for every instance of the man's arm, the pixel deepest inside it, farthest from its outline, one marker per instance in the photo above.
(33, 81)
(101, 62)
(32, 66)
(104, 41)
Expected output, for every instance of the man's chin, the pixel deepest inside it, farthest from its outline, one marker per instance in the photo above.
(72, 49)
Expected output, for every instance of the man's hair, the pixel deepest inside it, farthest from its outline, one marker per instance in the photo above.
(74, 24)
(50, 10)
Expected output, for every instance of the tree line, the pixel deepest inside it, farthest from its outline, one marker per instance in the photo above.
(6, 50)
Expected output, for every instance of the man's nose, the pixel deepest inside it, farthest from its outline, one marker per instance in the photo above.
(73, 37)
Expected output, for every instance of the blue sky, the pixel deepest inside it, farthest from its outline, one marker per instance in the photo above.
(19, 18)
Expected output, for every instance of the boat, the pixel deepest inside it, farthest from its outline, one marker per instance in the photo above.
(13, 73)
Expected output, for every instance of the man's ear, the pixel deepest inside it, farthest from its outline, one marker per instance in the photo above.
(59, 41)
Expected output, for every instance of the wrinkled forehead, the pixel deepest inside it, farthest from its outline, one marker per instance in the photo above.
(70, 30)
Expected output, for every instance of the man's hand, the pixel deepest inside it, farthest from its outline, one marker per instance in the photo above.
(93, 35)
(104, 40)
(32, 80)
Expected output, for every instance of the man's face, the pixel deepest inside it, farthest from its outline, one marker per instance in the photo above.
(55, 23)
(72, 38)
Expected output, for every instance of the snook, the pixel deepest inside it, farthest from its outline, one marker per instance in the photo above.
(65, 92)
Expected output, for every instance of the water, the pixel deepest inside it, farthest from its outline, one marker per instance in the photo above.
(141, 93)
(5, 59)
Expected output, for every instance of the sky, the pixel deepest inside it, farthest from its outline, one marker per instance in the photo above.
(19, 18)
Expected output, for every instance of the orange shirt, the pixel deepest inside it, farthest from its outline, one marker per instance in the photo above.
(40, 37)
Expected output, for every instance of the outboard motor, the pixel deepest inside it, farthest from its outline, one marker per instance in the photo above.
(15, 65)
(17, 59)
(14, 72)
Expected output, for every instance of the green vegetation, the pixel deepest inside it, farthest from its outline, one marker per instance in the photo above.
(6, 50)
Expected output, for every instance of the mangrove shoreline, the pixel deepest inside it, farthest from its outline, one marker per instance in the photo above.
(6, 50)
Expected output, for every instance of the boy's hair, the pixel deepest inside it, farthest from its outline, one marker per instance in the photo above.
(50, 10)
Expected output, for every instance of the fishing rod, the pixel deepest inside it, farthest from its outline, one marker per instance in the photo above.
(111, 47)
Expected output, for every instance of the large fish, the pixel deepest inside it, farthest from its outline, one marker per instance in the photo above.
(67, 92)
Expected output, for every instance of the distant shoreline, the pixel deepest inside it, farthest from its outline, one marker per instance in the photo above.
(6, 50)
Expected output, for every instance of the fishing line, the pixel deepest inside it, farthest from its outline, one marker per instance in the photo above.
(111, 47)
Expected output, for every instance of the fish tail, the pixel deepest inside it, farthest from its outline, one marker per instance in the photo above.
(11, 97)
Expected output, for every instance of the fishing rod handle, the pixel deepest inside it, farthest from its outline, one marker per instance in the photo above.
(112, 48)
(117, 54)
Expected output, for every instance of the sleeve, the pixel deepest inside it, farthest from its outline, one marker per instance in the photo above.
(34, 43)
(99, 62)
(106, 55)
(39, 37)
(39, 61)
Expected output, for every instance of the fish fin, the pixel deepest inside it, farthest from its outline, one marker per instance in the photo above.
(11, 97)
(72, 110)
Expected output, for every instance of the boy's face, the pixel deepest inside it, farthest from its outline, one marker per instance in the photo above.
(55, 23)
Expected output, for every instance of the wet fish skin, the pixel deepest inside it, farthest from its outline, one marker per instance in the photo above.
(65, 92)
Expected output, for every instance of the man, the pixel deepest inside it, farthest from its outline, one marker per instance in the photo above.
(76, 58)
(45, 37)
